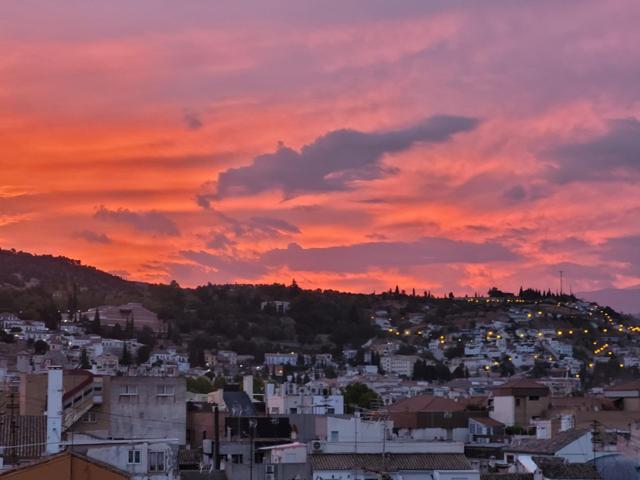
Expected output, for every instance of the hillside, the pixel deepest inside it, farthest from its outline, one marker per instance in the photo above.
(234, 317)
(625, 300)
(31, 283)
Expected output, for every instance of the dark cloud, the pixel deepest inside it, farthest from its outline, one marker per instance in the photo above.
(517, 193)
(622, 299)
(219, 241)
(151, 221)
(332, 162)
(567, 244)
(275, 224)
(93, 237)
(614, 155)
(230, 230)
(192, 119)
(230, 265)
(364, 256)
(625, 250)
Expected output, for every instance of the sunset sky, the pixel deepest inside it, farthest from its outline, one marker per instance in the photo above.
(355, 145)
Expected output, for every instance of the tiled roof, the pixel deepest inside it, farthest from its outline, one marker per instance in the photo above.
(520, 385)
(557, 469)
(28, 431)
(427, 403)
(507, 476)
(70, 458)
(629, 386)
(488, 421)
(547, 446)
(390, 462)
(204, 475)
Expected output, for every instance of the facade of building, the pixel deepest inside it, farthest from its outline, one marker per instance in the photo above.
(519, 401)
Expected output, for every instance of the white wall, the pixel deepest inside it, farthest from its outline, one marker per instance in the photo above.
(455, 434)
(504, 410)
(118, 456)
(579, 451)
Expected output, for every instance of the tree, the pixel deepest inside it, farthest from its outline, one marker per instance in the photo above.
(199, 385)
(85, 364)
(95, 326)
(506, 368)
(125, 359)
(219, 382)
(50, 315)
(143, 353)
(358, 395)
(40, 347)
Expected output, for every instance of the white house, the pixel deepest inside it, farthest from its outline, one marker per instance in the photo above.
(277, 359)
(291, 398)
(572, 445)
(399, 364)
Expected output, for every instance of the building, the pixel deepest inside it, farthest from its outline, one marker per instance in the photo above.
(276, 306)
(519, 401)
(290, 398)
(65, 466)
(427, 417)
(625, 396)
(279, 359)
(485, 430)
(395, 466)
(133, 314)
(574, 446)
(401, 365)
(139, 407)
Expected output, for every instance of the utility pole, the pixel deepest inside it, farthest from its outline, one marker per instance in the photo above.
(594, 439)
(12, 454)
(561, 281)
(252, 432)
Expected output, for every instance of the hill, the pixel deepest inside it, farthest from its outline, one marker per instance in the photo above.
(622, 299)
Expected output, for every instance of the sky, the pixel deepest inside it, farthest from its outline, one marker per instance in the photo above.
(349, 144)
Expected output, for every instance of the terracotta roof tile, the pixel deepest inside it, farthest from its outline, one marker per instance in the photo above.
(29, 431)
(392, 462)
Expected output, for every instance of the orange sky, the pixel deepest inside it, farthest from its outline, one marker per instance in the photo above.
(353, 145)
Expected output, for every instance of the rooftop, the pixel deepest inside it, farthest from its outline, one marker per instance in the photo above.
(547, 446)
(556, 468)
(390, 462)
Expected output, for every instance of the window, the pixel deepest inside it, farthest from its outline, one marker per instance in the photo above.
(534, 397)
(166, 390)
(335, 434)
(204, 434)
(236, 458)
(156, 462)
(293, 410)
(331, 410)
(89, 417)
(128, 390)
(134, 457)
(517, 402)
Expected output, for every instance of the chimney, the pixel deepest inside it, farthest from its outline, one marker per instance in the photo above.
(247, 385)
(567, 422)
(54, 410)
